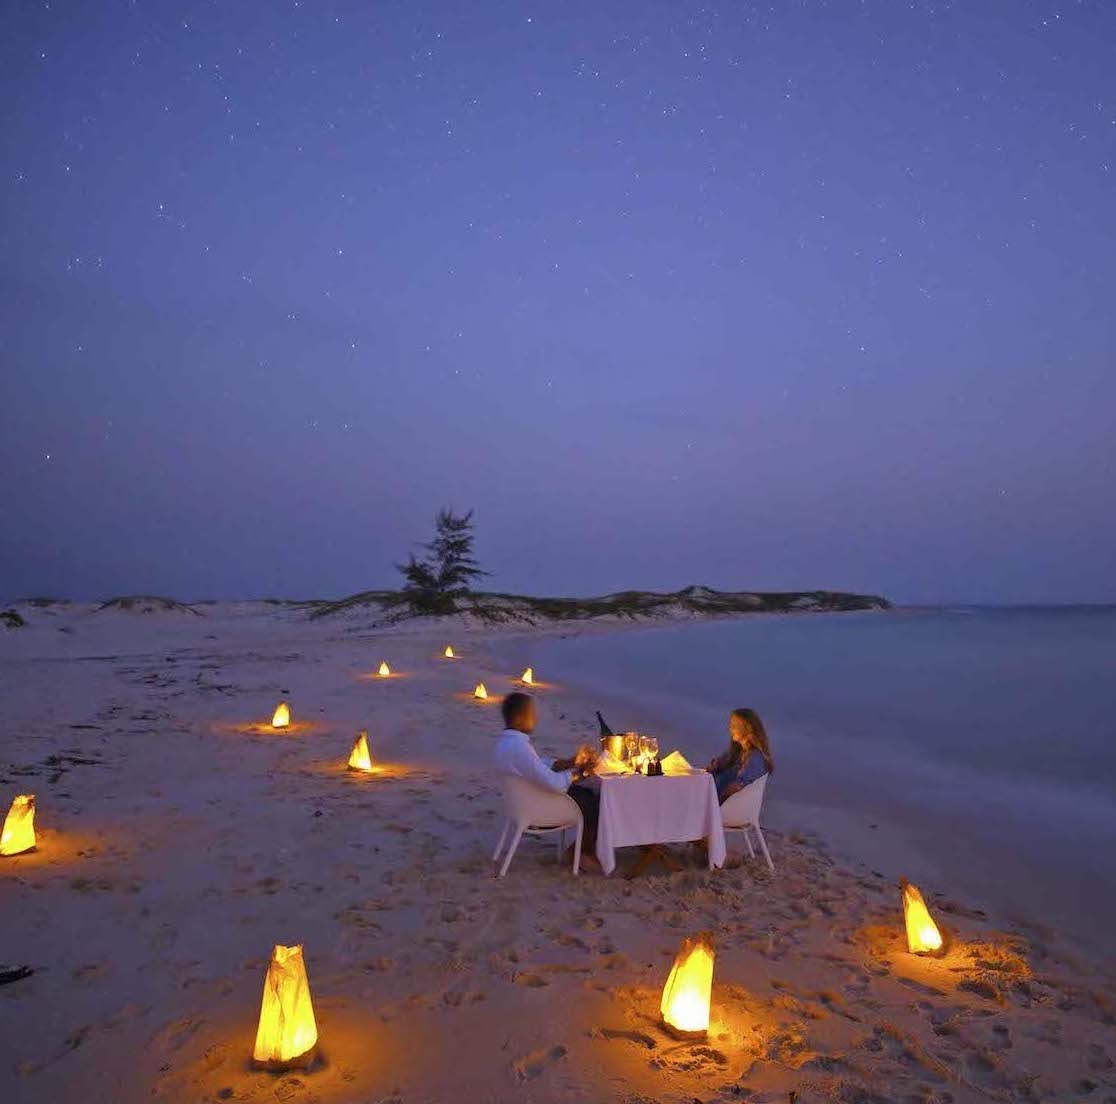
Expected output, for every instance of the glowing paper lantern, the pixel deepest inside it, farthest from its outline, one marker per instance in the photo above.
(481, 692)
(287, 1034)
(923, 936)
(282, 716)
(448, 653)
(385, 670)
(359, 757)
(685, 1005)
(18, 834)
(528, 676)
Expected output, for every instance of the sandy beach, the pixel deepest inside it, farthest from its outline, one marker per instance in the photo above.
(180, 838)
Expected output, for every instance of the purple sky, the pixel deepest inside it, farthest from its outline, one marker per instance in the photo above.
(761, 296)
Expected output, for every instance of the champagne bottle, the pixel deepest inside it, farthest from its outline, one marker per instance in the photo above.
(605, 730)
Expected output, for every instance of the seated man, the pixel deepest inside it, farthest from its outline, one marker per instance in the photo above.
(515, 754)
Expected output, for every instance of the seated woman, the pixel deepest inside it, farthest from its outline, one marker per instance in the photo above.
(748, 756)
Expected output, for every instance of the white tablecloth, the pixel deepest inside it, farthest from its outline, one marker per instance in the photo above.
(638, 810)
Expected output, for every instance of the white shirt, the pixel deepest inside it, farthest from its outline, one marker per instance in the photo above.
(515, 754)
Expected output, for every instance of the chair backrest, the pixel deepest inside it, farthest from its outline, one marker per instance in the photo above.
(744, 805)
(528, 803)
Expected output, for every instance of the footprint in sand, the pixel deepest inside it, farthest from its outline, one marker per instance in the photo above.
(176, 1034)
(836, 1003)
(565, 940)
(215, 1056)
(89, 972)
(447, 945)
(982, 987)
(531, 981)
(454, 998)
(691, 1059)
(1099, 1060)
(289, 1088)
(984, 1071)
(637, 1037)
(919, 987)
(538, 1062)
(378, 965)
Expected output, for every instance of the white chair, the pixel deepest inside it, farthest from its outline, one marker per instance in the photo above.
(530, 808)
(741, 813)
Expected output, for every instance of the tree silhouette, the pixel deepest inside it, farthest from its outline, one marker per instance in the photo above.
(434, 582)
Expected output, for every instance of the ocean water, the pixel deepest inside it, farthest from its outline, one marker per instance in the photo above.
(989, 734)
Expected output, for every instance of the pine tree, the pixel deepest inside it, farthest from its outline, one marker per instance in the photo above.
(435, 581)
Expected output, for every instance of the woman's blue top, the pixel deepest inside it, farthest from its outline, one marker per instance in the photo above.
(744, 770)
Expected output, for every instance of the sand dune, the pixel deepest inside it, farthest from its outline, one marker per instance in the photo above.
(180, 838)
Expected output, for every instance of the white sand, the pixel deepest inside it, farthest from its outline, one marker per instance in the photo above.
(188, 839)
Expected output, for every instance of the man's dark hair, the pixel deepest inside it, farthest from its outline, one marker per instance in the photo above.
(514, 706)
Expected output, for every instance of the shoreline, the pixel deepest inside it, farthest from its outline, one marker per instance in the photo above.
(840, 834)
(187, 838)
(867, 829)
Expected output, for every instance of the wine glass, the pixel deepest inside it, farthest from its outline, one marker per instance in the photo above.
(631, 745)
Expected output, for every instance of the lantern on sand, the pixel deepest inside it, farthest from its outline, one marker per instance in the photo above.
(287, 1034)
(923, 936)
(282, 716)
(18, 834)
(481, 692)
(448, 653)
(359, 757)
(528, 677)
(385, 670)
(685, 1005)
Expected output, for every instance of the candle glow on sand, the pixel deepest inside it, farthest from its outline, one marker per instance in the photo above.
(282, 716)
(528, 677)
(448, 653)
(360, 759)
(18, 834)
(384, 670)
(287, 1032)
(685, 1004)
(923, 936)
(481, 692)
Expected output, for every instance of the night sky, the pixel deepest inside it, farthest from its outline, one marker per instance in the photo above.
(790, 295)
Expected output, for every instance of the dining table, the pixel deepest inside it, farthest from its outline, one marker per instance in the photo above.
(648, 811)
